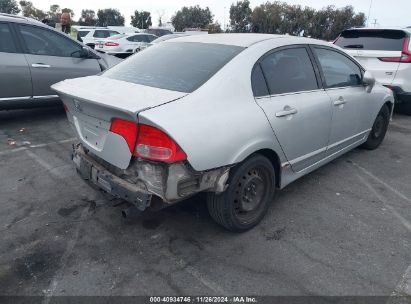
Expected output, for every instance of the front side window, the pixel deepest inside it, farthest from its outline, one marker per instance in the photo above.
(41, 41)
(7, 44)
(289, 71)
(151, 38)
(338, 70)
(182, 67)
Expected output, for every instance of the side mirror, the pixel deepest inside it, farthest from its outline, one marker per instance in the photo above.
(368, 80)
(85, 52)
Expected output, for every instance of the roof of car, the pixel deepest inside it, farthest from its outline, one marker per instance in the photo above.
(20, 19)
(242, 40)
(380, 29)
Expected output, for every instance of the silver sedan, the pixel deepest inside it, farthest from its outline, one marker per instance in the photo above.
(235, 115)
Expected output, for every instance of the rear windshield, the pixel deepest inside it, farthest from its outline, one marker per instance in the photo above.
(381, 40)
(182, 67)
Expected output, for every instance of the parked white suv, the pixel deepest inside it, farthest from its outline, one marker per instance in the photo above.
(92, 36)
(386, 52)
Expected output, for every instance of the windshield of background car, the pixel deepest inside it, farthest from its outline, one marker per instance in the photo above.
(381, 40)
(176, 66)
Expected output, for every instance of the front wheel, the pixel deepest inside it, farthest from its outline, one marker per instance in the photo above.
(379, 129)
(250, 191)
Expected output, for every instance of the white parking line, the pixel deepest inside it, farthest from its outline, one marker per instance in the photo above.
(49, 168)
(404, 286)
(63, 261)
(406, 223)
(55, 142)
(365, 171)
(196, 274)
(5, 152)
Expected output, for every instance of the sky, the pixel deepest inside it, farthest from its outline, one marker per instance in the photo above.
(386, 13)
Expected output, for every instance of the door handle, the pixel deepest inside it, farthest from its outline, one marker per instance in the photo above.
(41, 65)
(286, 112)
(340, 101)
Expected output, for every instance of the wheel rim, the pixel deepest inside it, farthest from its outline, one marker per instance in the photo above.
(250, 193)
(378, 126)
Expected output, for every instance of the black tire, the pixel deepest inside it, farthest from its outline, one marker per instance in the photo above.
(379, 129)
(250, 191)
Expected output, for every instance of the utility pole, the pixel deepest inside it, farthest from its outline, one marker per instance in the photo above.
(224, 20)
(369, 14)
(375, 23)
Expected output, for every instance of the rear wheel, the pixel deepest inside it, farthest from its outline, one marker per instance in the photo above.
(245, 202)
(379, 129)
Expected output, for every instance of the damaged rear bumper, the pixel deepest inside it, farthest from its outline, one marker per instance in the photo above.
(91, 171)
(144, 179)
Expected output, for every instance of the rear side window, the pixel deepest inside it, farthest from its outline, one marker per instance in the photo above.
(7, 44)
(258, 82)
(104, 33)
(338, 70)
(83, 33)
(136, 38)
(182, 67)
(289, 71)
(382, 40)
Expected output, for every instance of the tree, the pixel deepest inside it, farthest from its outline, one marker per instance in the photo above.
(69, 11)
(282, 18)
(161, 14)
(267, 18)
(214, 28)
(110, 16)
(54, 13)
(141, 19)
(329, 22)
(192, 17)
(88, 17)
(30, 11)
(9, 7)
(240, 16)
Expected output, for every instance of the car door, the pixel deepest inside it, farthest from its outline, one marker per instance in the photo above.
(297, 107)
(53, 57)
(136, 41)
(15, 79)
(343, 83)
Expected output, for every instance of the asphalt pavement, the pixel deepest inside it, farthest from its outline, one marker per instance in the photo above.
(344, 229)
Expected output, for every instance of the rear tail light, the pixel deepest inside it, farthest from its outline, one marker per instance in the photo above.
(111, 44)
(405, 56)
(148, 142)
(127, 130)
(154, 144)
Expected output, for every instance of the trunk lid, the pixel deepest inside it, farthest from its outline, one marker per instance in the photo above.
(384, 72)
(93, 102)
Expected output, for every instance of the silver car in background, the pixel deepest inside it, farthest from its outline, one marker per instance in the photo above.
(33, 56)
(234, 115)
